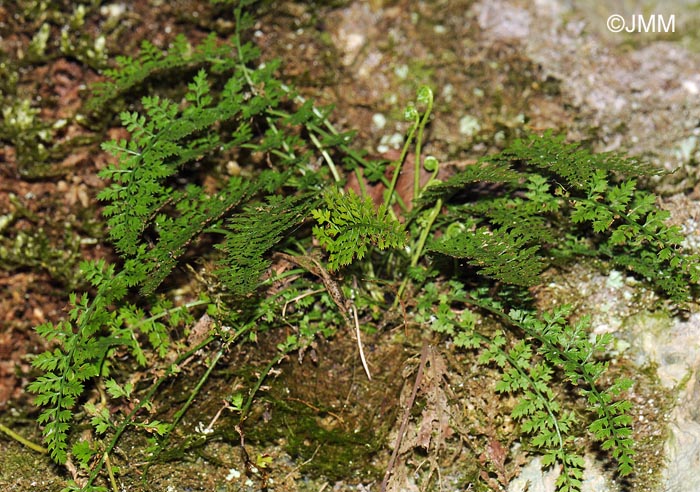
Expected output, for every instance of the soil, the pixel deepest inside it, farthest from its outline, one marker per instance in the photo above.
(320, 424)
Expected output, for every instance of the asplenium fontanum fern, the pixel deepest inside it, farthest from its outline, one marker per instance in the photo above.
(548, 202)
(554, 202)
(156, 217)
(558, 200)
(538, 353)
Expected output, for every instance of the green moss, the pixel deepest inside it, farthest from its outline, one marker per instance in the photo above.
(56, 252)
(22, 469)
(312, 437)
(58, 34)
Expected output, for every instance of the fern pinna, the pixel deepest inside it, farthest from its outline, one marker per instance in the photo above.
(349, 225)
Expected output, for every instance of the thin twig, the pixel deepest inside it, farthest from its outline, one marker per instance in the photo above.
(22, 440)
(297, 468)
(110, 472)
(216, 417)
(299, 298)
(359, 341)
(334, 292)
(316, 409)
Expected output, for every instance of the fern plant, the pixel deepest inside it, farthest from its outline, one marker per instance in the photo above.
(84, 343)
(554, 202)
(552, 190)
(154, 222)
(131, 72)
(549, 202)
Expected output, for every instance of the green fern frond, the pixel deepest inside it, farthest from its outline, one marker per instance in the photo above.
(570, 348)
(634, 235)
(140, 195)
(482, 172)
(84, 341)
(349, 224)
(196, 213)
(502, 254)
(251, 234)
(573, 165)
(551, 428)
(546, 348)
(515, 235)
(131, 72)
